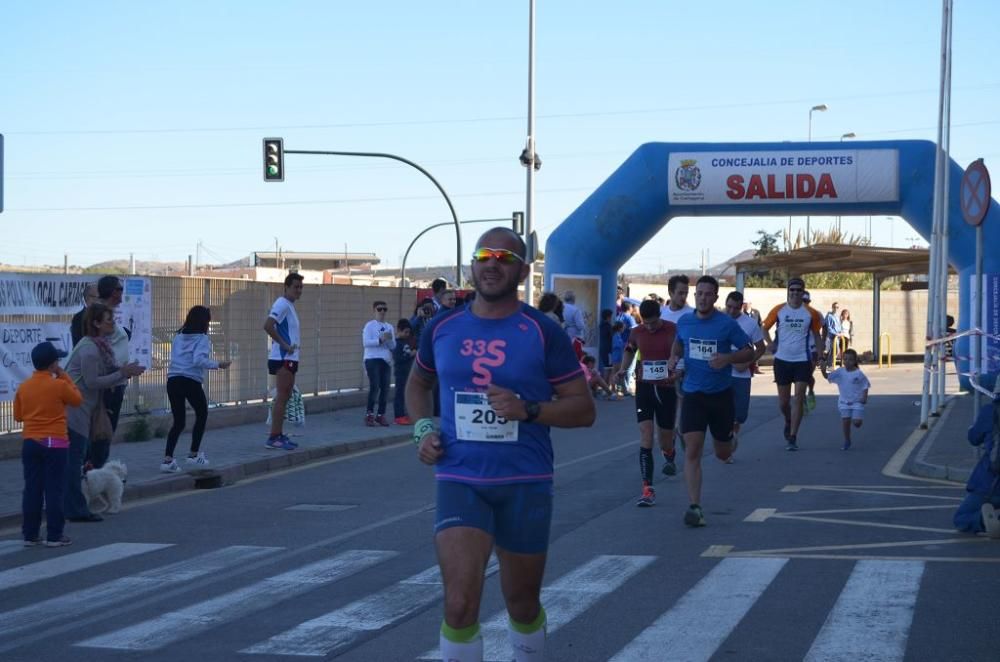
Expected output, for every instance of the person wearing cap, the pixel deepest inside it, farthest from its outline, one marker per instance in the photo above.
(40, 404)
(794, 347)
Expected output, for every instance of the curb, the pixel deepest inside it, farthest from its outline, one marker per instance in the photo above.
(233, 473)
(918, 466)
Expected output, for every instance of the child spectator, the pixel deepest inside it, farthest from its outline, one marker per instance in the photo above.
(980, 509)
(40, 403)
(190, 357)
(402, 360)
(594, 378)
(853, 387)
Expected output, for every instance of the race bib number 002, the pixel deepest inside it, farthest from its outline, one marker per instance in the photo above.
(703, 350)
(653, 371)
(475, 420)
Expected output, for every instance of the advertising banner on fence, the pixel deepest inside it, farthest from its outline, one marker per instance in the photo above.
(136, 315)
(59, 295)
(42, 294)
(784, 177)
(988, 295)
(16, 341)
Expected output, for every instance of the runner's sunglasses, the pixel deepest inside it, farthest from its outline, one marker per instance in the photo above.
(501, 255)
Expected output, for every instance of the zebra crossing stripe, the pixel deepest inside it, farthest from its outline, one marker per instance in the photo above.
(565, 599)
(190, 621)
(872, 617)
(706, 614)
(10, 546)
(342, 628)
(33, 572)
(102, 596)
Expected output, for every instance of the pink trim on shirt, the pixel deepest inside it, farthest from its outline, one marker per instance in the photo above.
(567, 376)
(541, 335)
(447, 319)
(52, 442)
(421, 364)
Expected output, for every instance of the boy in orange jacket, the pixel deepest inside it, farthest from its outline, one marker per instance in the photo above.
(40, 403)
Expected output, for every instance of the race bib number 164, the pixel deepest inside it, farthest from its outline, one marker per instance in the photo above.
(703, 350)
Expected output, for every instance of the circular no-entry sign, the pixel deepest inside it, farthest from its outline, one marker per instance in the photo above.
(975, 193)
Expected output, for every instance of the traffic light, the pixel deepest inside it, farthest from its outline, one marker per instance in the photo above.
(274, 160)
(517, 222)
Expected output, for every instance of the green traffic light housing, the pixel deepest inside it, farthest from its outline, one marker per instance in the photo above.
(274, 160)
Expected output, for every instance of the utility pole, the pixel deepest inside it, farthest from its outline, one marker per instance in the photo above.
(65, 263)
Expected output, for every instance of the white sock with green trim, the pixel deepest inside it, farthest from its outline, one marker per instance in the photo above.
(461, 645)
(528, 640)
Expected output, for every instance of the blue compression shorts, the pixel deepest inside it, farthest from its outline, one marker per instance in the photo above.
(518, 516)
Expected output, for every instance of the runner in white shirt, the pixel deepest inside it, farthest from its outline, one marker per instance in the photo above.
(741, 371)
(794, 349)
(853, 386)
(676, 308)
(282, 325)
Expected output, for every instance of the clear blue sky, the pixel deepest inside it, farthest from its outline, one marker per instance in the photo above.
(136, 126)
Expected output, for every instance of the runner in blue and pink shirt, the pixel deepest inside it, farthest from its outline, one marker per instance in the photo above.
(505, 373)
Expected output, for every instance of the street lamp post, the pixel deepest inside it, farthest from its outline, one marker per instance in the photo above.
(529, 159)
(849, 134)
(451, 207)
(821, 108)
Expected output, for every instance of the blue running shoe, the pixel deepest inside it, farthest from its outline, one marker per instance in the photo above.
(277, 444)
(288, 442)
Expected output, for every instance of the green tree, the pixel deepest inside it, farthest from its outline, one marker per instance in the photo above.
(766, 243)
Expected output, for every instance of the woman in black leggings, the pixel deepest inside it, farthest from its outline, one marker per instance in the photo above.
(190, 356)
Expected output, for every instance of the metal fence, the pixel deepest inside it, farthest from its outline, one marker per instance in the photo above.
(331, 318)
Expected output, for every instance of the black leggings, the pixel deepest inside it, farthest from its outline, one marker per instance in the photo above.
(180, 389)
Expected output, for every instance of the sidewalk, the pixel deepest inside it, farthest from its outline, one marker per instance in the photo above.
(945, 453)
(235, 453)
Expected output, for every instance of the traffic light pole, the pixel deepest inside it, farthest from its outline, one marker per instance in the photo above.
(402, 269)
(451, 208)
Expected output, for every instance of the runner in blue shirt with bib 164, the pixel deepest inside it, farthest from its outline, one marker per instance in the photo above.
(706, 341)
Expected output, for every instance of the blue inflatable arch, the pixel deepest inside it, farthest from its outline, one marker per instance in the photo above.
(661, 181)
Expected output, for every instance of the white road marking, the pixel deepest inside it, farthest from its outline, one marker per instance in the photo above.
(341, 628)
(100, 597)
(61, 565)
(706, 614)
(760, 515)
(868, 510)
(565, 599)
(872, 617)
(851, 522)
(190, 621)
(10, 546)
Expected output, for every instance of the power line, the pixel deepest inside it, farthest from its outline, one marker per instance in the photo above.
(499, 118)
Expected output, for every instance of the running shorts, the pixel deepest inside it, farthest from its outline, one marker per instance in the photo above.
(656, 401)
(741, 399)
(708, 411)
(274, 365)
(518, 516)
(789, 372)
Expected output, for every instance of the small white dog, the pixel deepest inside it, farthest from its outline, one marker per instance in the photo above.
(103, 487)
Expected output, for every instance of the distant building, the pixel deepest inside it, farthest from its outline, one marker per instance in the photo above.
(297, 261)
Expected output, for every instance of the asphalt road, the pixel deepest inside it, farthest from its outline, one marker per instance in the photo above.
(812, 555)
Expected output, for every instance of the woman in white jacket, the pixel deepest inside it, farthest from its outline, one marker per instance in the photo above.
(190, 356)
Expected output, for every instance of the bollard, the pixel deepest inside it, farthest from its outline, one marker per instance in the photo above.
(885, 348)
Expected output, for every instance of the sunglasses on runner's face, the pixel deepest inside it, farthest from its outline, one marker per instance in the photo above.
(381, 309)
(501, 255)
(795, 290)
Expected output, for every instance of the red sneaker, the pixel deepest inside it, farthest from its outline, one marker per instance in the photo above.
(370, 419)
(403, 420)
(380, 420)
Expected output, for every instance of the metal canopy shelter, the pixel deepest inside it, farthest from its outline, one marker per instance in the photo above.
(879, 261)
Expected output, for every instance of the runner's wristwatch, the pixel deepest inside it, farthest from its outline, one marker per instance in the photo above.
(532, 409)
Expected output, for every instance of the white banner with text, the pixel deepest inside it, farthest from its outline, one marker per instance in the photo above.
(784, 177)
